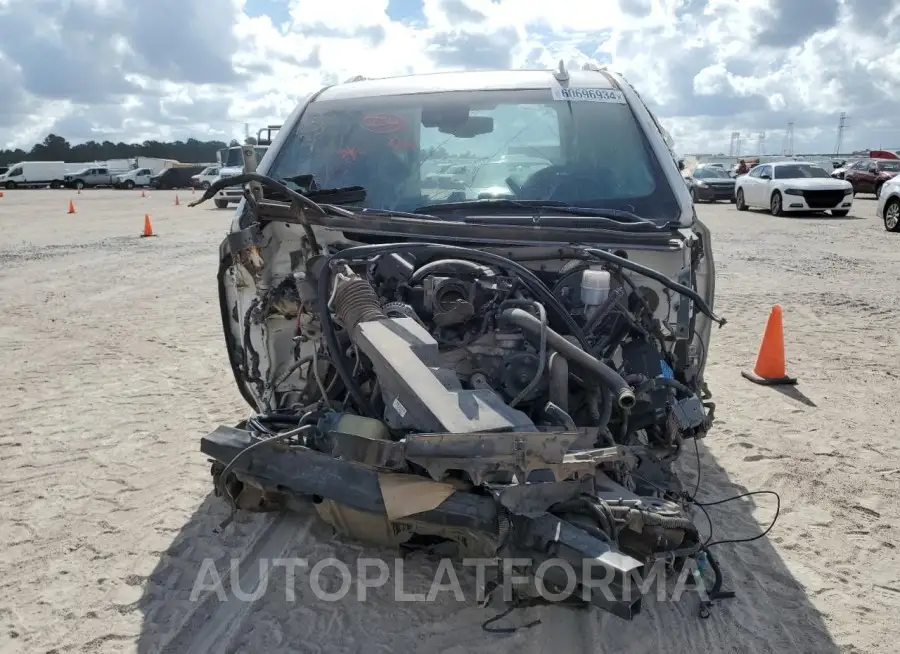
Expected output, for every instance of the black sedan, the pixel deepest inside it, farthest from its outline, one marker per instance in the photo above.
(710, 184)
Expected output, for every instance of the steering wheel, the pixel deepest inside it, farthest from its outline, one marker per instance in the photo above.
(556, 182)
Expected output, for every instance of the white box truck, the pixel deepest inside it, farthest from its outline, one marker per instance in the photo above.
(35, 174)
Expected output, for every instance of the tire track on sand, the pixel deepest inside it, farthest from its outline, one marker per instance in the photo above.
(213, 626)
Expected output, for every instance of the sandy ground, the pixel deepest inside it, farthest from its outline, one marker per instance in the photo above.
(114, 367)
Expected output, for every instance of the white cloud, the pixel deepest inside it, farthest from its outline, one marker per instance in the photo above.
(179, 68)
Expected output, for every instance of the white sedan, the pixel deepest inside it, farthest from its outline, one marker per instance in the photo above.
(888, 207)
(792, 186)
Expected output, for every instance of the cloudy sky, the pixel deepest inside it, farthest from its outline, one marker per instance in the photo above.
(137, 69)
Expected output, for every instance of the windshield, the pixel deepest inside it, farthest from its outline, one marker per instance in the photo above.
(711, 173)
(587, 154)
(889, 166)
(496, 173)
(800, 171)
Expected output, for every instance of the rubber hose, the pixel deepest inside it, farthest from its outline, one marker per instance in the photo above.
(355, 301)
(622, 392)
(559, 381)
(428, 268)
(606, 405)
(592, 396)
(650, 384)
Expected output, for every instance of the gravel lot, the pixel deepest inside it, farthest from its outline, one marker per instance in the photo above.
(115, 368)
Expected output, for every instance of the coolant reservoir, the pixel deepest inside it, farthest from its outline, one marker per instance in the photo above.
(594, 287)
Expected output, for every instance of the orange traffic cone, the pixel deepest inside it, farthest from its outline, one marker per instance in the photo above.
(71, 207)
(148, 228)
(770, 368)
(177, 201)
(1, 194)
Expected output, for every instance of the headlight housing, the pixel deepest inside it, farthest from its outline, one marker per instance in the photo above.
(793, 191)
(848, 191)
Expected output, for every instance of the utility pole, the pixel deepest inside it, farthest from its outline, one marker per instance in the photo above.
(761, 143)
(738, 143)
(842, 123)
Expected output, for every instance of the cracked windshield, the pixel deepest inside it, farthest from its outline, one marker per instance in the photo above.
(415, 150)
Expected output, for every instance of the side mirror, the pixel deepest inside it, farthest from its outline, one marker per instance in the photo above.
(681, 164)
(873, 169)
(766, 177)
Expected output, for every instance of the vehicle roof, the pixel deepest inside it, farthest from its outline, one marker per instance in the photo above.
(496, 80)
(791, 163)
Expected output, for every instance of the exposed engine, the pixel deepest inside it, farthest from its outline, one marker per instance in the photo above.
(545, 409)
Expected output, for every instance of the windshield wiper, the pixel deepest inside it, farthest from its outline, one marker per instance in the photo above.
(354, 211)
(537, 214)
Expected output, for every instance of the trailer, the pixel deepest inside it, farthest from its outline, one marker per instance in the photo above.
(155, 164)
(35, 174)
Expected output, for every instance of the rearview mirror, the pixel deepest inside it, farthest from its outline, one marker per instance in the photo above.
(472, 127)
(457, 121)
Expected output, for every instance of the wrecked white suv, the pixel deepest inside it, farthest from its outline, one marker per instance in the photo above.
(508, 371)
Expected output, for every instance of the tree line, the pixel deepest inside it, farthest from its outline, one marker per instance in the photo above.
(56, 148)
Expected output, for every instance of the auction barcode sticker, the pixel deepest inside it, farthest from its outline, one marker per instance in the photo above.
(567, 94)
(398, 407)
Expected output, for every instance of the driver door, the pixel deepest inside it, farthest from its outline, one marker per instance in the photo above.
(763, 186)
(750, 183)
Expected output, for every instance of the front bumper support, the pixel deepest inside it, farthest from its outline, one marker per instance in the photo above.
(602, 573)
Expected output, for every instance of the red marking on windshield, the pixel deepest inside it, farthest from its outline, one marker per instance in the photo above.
(382, 123)
(349, 153)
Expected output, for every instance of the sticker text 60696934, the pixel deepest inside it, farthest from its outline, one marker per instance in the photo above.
(567, 94)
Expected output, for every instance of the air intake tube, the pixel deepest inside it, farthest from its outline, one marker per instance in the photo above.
(623, 394)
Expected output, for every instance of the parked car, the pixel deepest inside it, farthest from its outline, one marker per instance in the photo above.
(888, 206)
(793, 186)
(205, 177)
(90, 177)
(137, 177)
(869, 175)
(177, 177)
(710, 183)
(842, 168)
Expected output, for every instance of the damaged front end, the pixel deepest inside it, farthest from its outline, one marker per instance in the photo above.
(521, 402)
